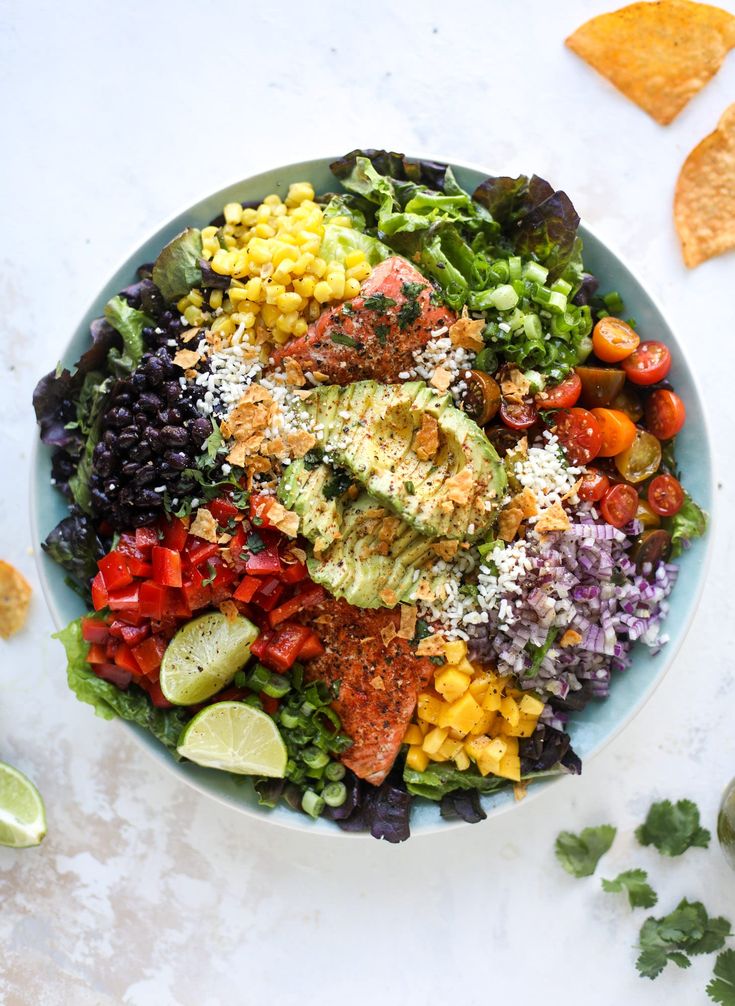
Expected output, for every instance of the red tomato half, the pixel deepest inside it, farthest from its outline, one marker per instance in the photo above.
(665, 414)
(579, 434)
(619, 504)
(561, 396)
(594, 486)
(518, 415)
(650, 363)
(665, 495)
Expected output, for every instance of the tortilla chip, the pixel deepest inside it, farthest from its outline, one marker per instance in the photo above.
(554, 518)
(441, 379)
(704, 202)
(570, 638)
(300, 442)
(446, 549)
(426, 441)
(186, 358)
(229, 610)
(526, 503)
(407, 628)
(285, 520)
(294, 374)
(15, 599)
(467, 332)
(378, 683)
(515, 385)
(431, 646)
(204, 526)
(389, 633)
(388, 597)
(508, 522)
(658, 54)
(459, 487)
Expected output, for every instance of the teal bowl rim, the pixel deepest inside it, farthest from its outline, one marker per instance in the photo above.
(284, 817)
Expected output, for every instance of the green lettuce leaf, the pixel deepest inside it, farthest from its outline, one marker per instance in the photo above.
(440, 778)
(689, 523)
(339, 241)
(176, 271)
(130, 323)
(108, 701)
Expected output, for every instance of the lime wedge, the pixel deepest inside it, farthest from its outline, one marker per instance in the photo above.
(22, 814)
(235, 737)
(204, 656)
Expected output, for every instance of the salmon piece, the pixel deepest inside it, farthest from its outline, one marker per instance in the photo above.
(379, 684)
(372, 336)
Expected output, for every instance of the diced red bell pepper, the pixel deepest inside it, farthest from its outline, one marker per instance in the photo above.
(97, 654)
(196, 593)
(127, 544)
(294, 572)
(138, 567)
(284, 647)
(259, 647)
(94, 631)
(198, 551)
(310, 594)
(223, 510)
(270, 704)
(313, 647)
(114, 569)
(99, 593)
(133, 634)
(270, 592)
(157, 697)
(131, 616)
(145, 539)
(174, 535)
(166, 566)
(267, 562)
(124, 658)
(152, 599)
(111, 648)
(260, 504)
(177, 604)
(149, 654)
(224, 575)
(249, 586)
(115, 675)
(124, 597)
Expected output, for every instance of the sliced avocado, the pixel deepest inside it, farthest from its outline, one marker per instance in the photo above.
(301, 489)
(370, 429)
(176, 271)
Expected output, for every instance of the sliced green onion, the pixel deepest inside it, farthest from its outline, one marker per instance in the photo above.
(541, 294)
(500, 269)
(535, 272)
(532, 327)
(515, 320)
(335, 771)
(515, 267)
(253, 700)
(487, 547)
(561, 286)
(519, 285)
(504, 297)
(314, 758)
(308, 708)
(613, 302)
(288, 720)
(334, 794)
(557, 302)
(487, 360)
(312, 803)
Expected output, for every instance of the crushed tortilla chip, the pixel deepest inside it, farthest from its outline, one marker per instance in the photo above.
(407, 628)
(388, 597)
(15, 599)
(300, 442)
(514, 385)
(204, 526)
(425, 592)
(297, 554)
(388, 633)
(526, 502)
(466, 332)
(509, 521)
(431, 646)
(294, 374)
(554, 518)
(704, 201)
(570, 638)
(285, 520)
(229, 610)
(658, 54)
(389, 528)
(520, 790)
(445, 549)
(441, 379)
(186, 358)
(189, 334)
(378, 683)
(426, 441)
(458, 488)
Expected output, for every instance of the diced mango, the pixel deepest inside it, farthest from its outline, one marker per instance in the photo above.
(417, 759)
(430, 708)
(462, 715)
(451, 683)
(493, 698)
(479, 685)
(461, 760)
(510, 768)
(413, 734)
(511, 744)
(485, 724)
(487, 753)
(524, 728)
(466, 667)
(450, 748)
(455, 650)
(434, 740)
(531, 706)
(509, 710)
(475, 746)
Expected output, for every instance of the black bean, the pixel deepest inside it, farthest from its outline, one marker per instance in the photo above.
(127, 439)
(119, 416)
(143, 452)
(144, 475)
(177, 459)
(110, 438)
(149, 402)
(154, 372)
(174, 436)
(200, 429)
(147, 498)
(171, 417)
(172, 391)
(139, 381)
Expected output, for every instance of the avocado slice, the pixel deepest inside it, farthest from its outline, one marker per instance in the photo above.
(301, 489)
(370, 429)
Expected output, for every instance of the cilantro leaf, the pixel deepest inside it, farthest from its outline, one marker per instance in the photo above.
(673, 828)
(343, 340)
(212, 570)
(580, 854)
(382, 332)
(722, 987)
(687, 930)
(634, 883)
(378, 302)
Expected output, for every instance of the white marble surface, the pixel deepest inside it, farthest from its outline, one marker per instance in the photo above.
(144, 892)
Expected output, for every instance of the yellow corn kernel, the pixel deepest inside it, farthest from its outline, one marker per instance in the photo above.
(280, 251)
(434, 740)
(451, 683)
(352, 288)
(263, 230)
(337, 283)
(262, 214)
(360, 271)
(429, 708)
(259, 251)
(509, 710)
(461, 760)
(493, 698)
(272, 200)
(237, 294)
(301, 264)
(249, 217)
(455, 650)
(273, 291)
(270, 315)
(280, 337)
(181, 305)
(305, 287)
(209, 232)
(462, 715)
(510, 768)
(287, 321)
(249, 318)
(314, 310)
(322, 292)
(413, 734)
(283, 273)
(353, 257)
(254, 289)
(193, 315)
(318, 267)
(298, 192)
(417, 759)
(531, 706)
(300, 328)
(215, 299)
(233, 213)
(290, 302)
(196, 298)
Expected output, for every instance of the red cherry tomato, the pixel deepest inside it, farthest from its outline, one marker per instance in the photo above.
(619, 504)
(665, 414)
(665, 495)
(561, 396)
(579, 434)
(518, 415)
(650, 363)
(594, 486)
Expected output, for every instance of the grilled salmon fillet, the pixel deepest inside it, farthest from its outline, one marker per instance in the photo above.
(379, 684)
(373, 336)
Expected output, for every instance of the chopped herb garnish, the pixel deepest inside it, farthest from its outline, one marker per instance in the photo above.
(673, 828)
(257, 521)
(379, 302)
(382, 333)
(537, 653)
(687, 930)
(338, 484)
(410, 488)
(312, 460)
(255, 543)
(722, 987)
(212, 570)
(636, 886)
(343, 340)
(410, 310)
(422, 631)
(347, 308)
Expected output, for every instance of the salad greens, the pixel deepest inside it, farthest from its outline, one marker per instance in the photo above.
(689, 523)
(673, 828)
(635, 884)
(178, 268)
(580, 854)
(129, 322)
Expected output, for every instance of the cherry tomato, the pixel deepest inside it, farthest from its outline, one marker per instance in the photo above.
(594, 486)
(618, 431)
(665, 495)
(613, 339)
(665, 414)
(561, 396)
(641, 460)
(629, 402)
(619, 504)
(579, 434)
(653, 547)
(600, 385)
(518, 415)
(481, 399)
(646, 516)
(650, 363)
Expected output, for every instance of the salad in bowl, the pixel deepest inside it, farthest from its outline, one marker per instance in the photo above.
(370, 491)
